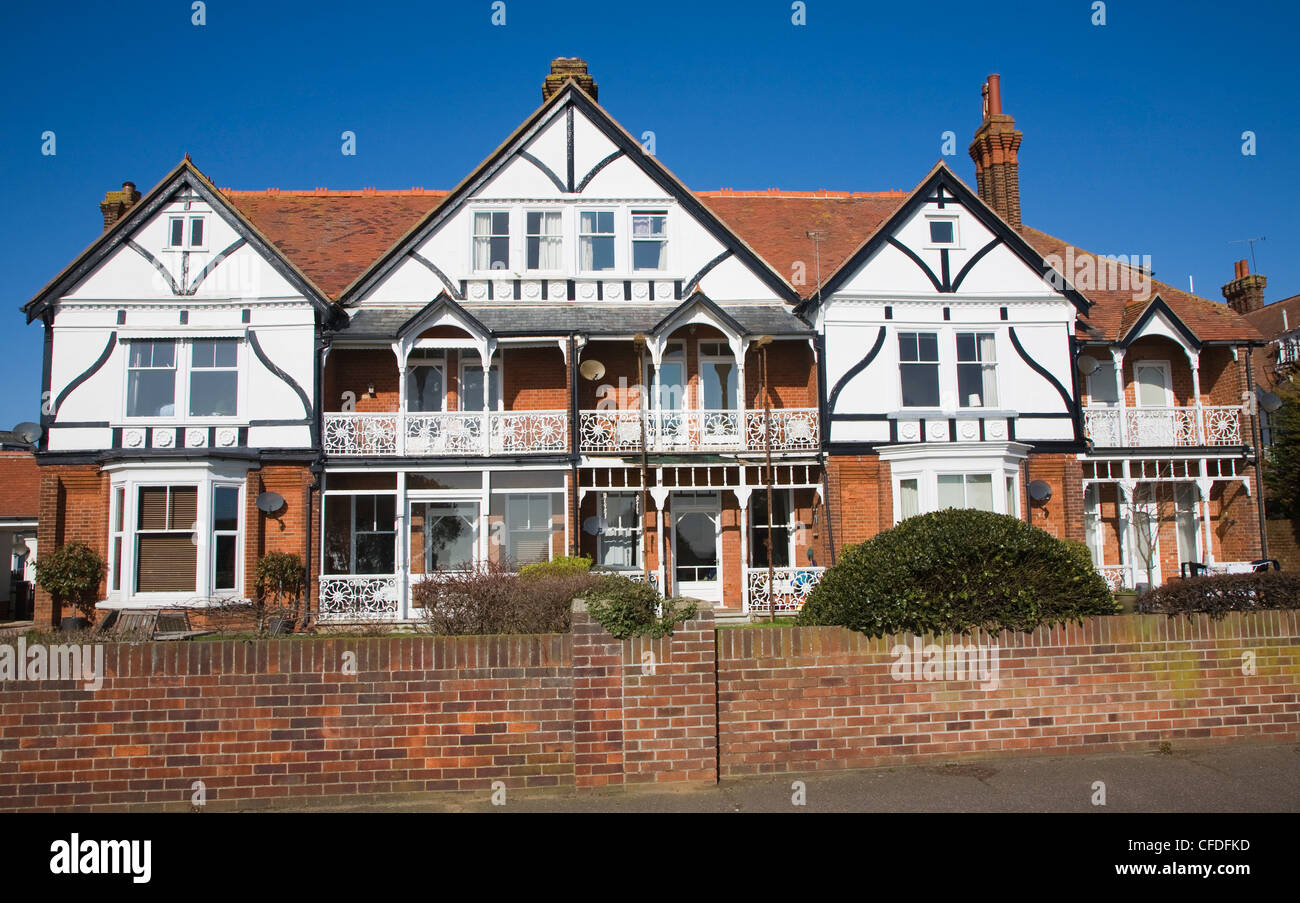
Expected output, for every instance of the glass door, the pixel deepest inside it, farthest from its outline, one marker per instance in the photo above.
(444, 537)
(697, 546)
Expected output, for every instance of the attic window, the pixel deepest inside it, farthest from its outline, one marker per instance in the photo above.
(179, 237)
(943, 232)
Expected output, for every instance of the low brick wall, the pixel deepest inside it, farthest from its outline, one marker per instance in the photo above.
(795, 699)
(335, 720)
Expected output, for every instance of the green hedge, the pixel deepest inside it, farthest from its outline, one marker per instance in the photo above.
(955, 570)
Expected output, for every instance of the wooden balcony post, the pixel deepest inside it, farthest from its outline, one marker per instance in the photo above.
(1117, 361)
(1194, 359)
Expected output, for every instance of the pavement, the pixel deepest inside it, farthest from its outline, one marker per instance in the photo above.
(1242, 778)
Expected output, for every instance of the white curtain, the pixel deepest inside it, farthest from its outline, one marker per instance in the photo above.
(550, 242)
(482, 241)
(587, 246)
(988, 358)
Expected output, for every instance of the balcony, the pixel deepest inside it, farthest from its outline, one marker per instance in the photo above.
(449, 433)
(1163, 427)
(619, 431)
(792, 586)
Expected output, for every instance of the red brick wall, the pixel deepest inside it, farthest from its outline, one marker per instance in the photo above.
(1062, 515)
(73, 508)
(281, 721)
(803, 699)
(284, 531)
(536, 379)
(272, 722)
(20, 484)
(354, 370)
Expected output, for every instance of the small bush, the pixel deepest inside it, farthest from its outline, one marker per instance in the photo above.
(491, 599)
(626, 608)
(1219, 594)
(71, 575)
(565, 565)
(280, 580)
(954, 571)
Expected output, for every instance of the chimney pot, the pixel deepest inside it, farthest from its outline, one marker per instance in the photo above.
(995, 95)
(564, 68)
(1245, 292)
(994, 150)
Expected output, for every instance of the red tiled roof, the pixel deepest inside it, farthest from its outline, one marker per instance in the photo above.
(1268, 319)
(1115, 312)
(333, 236)
(776, 225)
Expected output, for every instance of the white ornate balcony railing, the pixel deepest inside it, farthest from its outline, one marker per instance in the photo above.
(1163, 427)
(619, 431)
(529, 432)
(356, 597)
(792, 586)
(1117, 576)
(446, 433)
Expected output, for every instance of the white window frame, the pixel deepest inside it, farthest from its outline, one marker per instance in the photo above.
(757, 524)
(181, 390)
(636, 531)
(512, 528)
(238, 533)
(131, 481)
(984, 366)
(1107, 368)
(932, 245)
(437, 361)
(467, 363)
(528, 236)
(937, 363)
(176, 369)
(474, 239)
(1163, 365)
(187, 231)
(633, 240)
(927, 468)
(613, 236)
(701, 359)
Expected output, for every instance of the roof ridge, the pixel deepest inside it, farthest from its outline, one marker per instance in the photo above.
(780, 193)
(333, 192)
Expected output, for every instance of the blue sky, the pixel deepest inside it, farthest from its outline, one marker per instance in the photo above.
(1132, 129)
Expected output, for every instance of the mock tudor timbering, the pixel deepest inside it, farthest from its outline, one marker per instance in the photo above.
(573, 353)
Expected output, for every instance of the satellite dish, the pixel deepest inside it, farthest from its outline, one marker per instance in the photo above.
(1039, 492)
(1087, 364)
(1269, 401)
(593, 526)
(592, 370)
(270, 502)
(28, 432)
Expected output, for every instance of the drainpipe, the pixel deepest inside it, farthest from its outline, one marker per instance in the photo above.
(317, 467)
(575, 543)
(1259, 454)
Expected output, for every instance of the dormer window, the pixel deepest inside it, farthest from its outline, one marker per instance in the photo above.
(596, 240)
(492, 240)
(186, 232)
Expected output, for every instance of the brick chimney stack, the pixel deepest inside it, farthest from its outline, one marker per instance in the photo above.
(566, 67)
(1245, 292)
(997, 170)
(116, 203)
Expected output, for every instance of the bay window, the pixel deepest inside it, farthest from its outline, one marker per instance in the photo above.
(175, 535)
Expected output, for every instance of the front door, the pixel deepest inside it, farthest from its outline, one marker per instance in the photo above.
(697, 545)
(444, 536)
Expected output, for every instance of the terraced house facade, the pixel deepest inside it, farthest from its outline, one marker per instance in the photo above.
(572, 353)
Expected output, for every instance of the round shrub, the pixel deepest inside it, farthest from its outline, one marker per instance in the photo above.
(956, 570)
(626, 608)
